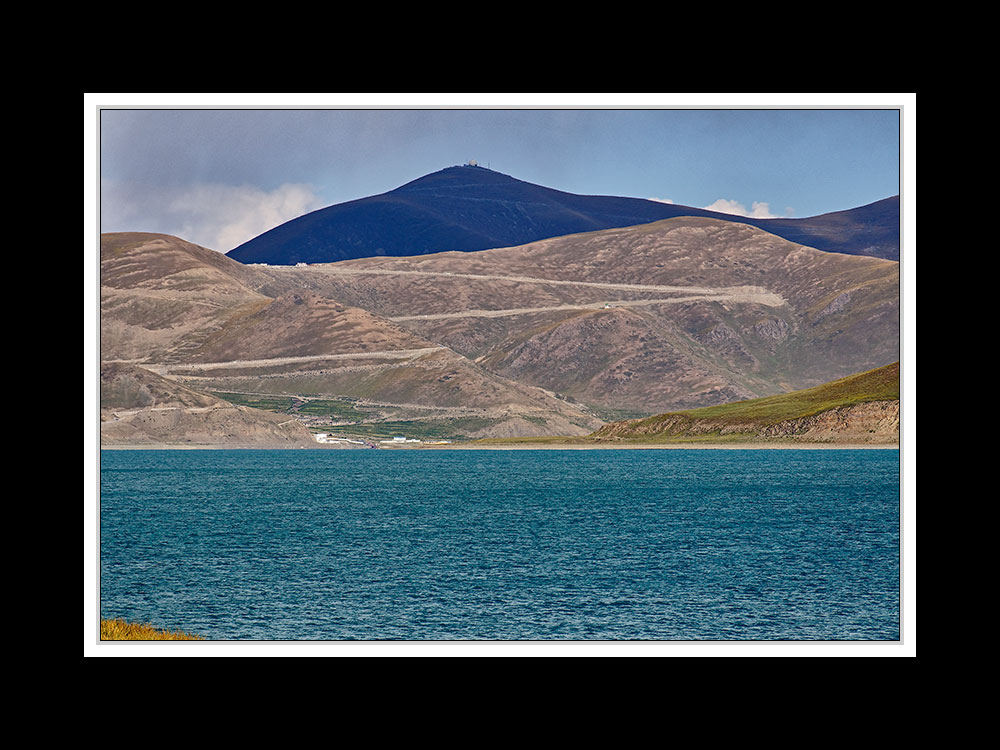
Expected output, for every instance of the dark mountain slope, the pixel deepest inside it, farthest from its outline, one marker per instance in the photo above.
(471, 208)
(871, 230)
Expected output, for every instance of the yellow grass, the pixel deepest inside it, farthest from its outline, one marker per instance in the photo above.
(119, 630)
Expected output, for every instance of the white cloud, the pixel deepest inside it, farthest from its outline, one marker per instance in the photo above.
(759, 210)
(224, 216)
(660, 200)
(213, 215)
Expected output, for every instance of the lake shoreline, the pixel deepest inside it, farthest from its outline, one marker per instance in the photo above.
(528, 446)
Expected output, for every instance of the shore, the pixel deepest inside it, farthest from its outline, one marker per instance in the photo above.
(672, 446)
(532, 446)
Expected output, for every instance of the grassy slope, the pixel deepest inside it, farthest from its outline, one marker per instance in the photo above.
(880, 384)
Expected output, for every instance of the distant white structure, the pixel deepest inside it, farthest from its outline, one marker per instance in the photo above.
(327, 438)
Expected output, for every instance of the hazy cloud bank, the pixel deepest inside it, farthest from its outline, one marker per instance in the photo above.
(219, 217)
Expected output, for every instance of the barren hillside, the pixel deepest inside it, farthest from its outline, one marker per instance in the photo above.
(201, 320)
(676, 314)
(551, 337)
(139, 407)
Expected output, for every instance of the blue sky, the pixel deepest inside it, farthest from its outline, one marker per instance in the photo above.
(218, 176)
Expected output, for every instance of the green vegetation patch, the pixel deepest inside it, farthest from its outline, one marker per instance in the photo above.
(709, 438)
(282, 404)
(340, 409)
(334, 408)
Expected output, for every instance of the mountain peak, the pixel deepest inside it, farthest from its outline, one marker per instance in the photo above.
(460, 174)
(469, 207)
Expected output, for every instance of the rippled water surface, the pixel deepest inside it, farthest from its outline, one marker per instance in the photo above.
(504, 545)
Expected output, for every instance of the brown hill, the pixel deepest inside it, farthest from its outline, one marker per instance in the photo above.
(301, 324)
(139, 407)
(676, 314)
(159, 293)
(545, 338)
(202, 320)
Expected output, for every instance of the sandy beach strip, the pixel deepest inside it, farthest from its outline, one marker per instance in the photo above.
(525, 446)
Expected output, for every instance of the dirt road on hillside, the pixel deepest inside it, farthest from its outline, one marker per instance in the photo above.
(162, 369)
(765, 298)
(737, 294)
(668, 289)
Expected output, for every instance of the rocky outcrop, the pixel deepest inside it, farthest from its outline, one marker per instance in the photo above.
(874, 422)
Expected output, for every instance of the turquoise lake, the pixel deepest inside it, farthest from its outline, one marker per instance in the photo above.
(440, 545)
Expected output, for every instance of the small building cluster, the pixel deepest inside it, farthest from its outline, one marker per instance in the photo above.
(327, 439)
(324, 437)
